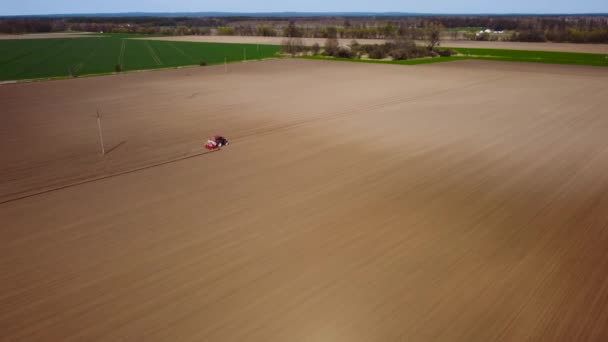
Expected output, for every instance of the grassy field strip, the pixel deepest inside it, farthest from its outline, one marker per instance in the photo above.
(153, 54)
(495, 55)
(535, 56)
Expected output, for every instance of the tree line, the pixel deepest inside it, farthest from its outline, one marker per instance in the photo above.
(398, 47)
(576, 29)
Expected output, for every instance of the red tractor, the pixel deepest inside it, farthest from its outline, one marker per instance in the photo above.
(216, 142)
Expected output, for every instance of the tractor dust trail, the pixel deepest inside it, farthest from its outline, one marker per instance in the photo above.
(464, 201)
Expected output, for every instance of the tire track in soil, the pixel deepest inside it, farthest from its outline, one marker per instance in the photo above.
(256, 132)
(121, 54)
(102, 177)
(81, 65)
(361, 109)
(153, 54)
(182, 52)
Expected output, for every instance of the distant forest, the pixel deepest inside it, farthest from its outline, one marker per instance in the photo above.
(574, 29)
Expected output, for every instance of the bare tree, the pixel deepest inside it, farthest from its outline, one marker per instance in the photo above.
(292, 30)
(292, 46)
(432, 35)
(331, 46)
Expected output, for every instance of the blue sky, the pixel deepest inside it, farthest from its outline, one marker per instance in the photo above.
(8, 7)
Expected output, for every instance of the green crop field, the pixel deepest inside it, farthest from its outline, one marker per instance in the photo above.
(62, 57)
(101, 54)
(535, 56)
(495, 55)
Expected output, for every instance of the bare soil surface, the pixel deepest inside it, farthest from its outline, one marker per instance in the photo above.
(464, 201)
(564, 47)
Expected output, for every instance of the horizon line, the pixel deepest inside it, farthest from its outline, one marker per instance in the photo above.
(306, 13)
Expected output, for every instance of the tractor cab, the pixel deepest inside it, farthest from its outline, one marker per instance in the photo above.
(216, 142)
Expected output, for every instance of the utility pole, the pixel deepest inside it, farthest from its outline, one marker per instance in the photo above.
(103, 151)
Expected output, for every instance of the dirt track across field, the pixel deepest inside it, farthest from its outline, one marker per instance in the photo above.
(564, 47)
(463, 201)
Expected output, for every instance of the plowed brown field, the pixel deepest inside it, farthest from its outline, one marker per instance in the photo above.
(463, 201)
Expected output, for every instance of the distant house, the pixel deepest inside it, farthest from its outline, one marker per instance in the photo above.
(488, 31)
